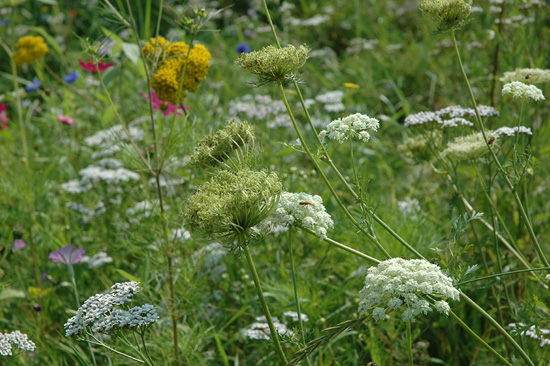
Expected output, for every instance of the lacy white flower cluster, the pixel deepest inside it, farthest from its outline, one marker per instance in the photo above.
(332, 101)
(528, 76)
(260, 329)
(451, 116)
(511, 131)
(100, 312)
(521, 90)
(409, 207)
(21, 340)
(354, 126)
(399, 282)
(305, 210)
(108, 170)
(97, 260)
(107, 139)
(470, 147)
(533, 333)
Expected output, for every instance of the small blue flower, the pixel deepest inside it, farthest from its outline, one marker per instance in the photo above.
(4, 22)
(71, 77)
(33, 86)
(243, 48)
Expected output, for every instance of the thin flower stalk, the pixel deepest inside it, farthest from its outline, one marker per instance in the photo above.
(265, 308)
(409, 344)
(295, 286)
(480, 126)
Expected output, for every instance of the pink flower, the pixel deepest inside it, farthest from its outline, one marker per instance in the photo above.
(67, 255)
(65, 119)
(4, 118)
(90, 66)
(18, 244)
(167, 108)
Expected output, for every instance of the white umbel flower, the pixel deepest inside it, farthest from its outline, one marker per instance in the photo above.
(399, 282)
(101, 314)
(354, 126)
(305, 210)
(470, 147)
(522, 91)
(530, 76)
(15, 338)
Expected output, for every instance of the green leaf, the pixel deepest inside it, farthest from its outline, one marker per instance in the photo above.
(128, 276)
(131, 50)
(11, 293)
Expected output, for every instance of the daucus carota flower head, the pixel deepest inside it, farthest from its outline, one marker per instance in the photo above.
(451, 116)
(67, 255)
(29, 49)
(470, 147)
(449, 14)
(304, 210)
(420, 147)
(169, 59)
(520, 90)
(217, 147)
(397, 282)
(272, 64)
(527, 76)
(232, 203)
(354, 126)
(102, 314)
(15, 338)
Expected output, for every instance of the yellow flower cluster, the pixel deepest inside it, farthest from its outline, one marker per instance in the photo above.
(170, 59)
(29, 49)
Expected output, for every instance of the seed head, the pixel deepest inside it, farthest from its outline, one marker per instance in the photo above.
(449, 14)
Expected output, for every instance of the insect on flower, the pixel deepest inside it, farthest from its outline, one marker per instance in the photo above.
(490, 140)
(528, 76)
(306, 203)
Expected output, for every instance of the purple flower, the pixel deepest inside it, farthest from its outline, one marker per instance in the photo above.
(67, 255)
(71, 77)
(243, 48)
(18, 244)
(34, 85)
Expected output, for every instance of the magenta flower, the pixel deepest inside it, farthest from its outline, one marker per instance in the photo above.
(18, 244)
(4, 118)
(90, 66)
(67, 255)
(65, 119)
(167, 108)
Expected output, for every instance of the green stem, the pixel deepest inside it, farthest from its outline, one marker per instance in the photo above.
(99, 343)
(481, 128)
(498, 327)
(324, 177)
(294, 284)
(409, 344)
(142, 335)
(273, 331)
(503, 274)
(73, 279)
(479, 339)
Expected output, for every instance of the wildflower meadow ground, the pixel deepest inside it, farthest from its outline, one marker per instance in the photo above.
(268, 182)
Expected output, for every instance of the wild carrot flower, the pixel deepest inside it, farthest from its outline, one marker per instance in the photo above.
(272, 64)
(527, 76)
(71, 77)
(470, 147)
(90, 66)
(520, 90)
(451, 116)
(449, 14)
(354, 126)
(34, 85)
(215, 148)
(169, 59)
(102, 314)
(399, 282)
(22, 341)
(232, 204)
(29, 49)
(65, 119)
(420, 147)
(305, 210)
(67, 255)
(4, 118)
(167, 108)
